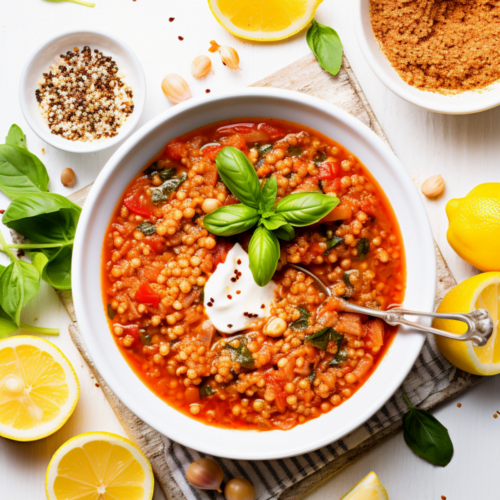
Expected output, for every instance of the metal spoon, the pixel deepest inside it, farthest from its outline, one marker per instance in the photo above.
(479, 323)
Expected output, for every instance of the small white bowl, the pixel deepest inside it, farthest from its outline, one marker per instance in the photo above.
(47, 54)
(86, 271)
(458, 104)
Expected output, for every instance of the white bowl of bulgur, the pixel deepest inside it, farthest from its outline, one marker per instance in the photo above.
(82, 91)
(91, 284)
(440, 56)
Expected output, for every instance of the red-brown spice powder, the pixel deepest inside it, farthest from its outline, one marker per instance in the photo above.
(445, 46)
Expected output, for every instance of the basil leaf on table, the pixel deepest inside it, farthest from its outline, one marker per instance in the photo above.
(19, 284)
(264, 253)
(16, 137)
(285, 233)
(303, 209)
(268, 195)
(43, 217)
(325, 44)
(426, 436)
(274, 222)
(47, 219)
(238, 174)
(21, 172)
(231, 219)
(303, 322)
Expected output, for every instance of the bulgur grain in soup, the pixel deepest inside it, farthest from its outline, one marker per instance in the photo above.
(309, 357)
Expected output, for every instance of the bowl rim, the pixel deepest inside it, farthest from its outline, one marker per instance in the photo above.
(451, 105)
(94, 146)
(78, 276)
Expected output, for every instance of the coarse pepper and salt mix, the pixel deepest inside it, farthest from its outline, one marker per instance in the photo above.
(83, 96)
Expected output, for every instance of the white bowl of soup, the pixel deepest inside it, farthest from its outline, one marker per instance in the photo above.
(143, 264)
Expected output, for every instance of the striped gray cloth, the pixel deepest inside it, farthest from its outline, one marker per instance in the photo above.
(431, 373)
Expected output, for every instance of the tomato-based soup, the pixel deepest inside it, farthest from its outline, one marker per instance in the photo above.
(158, 256)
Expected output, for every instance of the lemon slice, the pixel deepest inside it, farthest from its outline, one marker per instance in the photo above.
(264, 20)
(99, 466)
(479, 292)
(369, 488)
(39, 388)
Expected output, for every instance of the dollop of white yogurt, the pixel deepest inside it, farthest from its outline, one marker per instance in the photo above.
(232, 298)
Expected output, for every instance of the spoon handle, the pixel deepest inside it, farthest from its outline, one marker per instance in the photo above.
(479, 323)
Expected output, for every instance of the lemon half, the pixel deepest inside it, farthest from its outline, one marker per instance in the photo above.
(479, 292)
(99, 466)
(39, 388)
(264, 20)
(369, 488)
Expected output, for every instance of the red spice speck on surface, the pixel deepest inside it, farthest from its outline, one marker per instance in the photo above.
(443, 497)
(180, 38)
(208, 92)
(459, 405)
(2, 211)
(233, 280)
(97, 385)
(229, 326)
(171, 19)
(238, 292)
(498, 412)
(212, 300)
(263, 306)
(495, 415)
(239, 260)
(229, 297)
(210, 304)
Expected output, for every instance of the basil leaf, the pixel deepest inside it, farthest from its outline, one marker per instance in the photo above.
(295, 151)
(207, 390)
(334, 242)
(7, 325)
(43, 217)
(111, 312)
(274, 222)
(264, 149)
(325, 44)
(147, 227)
(340, 357)
(268, 195)
(303, 322)
(363, 247)
(303, 209)
(241, 354)
(319, 157)
(231, 219)
(285, 233)
(312, 376)
(38, 259)
(320, 339)
(426, 436)
(164, 173)
(21, 172)
(162, 193)
(19, 283)
(264, 253)
(16, 137)
(238, 174)
(57, 271)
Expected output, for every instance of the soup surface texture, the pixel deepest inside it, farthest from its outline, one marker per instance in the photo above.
(306, 356)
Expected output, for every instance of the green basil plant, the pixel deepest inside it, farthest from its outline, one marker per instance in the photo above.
(258, 208)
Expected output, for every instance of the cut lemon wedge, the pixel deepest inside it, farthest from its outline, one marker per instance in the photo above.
(369, 488)
(99, 466)
(39, 388)
(479, 292)
(264, 20)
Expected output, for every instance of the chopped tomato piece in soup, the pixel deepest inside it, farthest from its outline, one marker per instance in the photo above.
(146, 295)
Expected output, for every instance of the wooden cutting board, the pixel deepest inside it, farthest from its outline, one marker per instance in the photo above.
(344, 92)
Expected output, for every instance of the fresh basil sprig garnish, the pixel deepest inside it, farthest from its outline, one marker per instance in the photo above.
(325, 44)
(426, 436)
(258, 207)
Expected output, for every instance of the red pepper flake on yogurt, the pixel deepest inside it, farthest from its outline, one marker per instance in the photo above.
(83, 97)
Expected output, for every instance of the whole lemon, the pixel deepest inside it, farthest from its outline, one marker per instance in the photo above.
(474, 226)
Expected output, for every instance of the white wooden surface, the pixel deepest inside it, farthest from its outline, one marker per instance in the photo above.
(464, 149)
